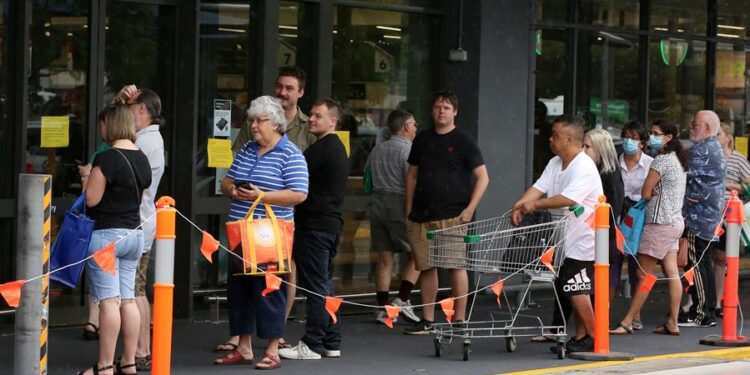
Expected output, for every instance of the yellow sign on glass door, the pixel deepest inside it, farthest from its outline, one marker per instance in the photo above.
(55, 131)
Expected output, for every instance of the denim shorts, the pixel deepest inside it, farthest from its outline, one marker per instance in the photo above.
(127, 254)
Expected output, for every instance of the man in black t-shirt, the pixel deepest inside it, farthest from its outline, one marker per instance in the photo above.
(318, 224)
(440, 194)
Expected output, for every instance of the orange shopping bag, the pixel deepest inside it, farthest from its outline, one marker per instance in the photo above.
(262, 245)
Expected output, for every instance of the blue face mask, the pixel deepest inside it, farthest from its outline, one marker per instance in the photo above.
(630, 146)
(655, 142)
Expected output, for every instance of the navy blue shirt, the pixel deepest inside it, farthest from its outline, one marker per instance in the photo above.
(281, 168)
(704, 193)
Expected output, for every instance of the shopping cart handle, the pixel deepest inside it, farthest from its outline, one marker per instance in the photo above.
(430, 234)
(577, 210)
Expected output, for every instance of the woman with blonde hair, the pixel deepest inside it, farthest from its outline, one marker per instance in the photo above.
(598, 145)
(114, 189)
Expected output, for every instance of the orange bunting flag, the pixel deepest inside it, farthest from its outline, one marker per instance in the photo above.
(11, 292)
(547, 258)
(105, 258)
(209, 246)
(497, 287)
(447, 306)
(392, 312)
(648, 283)
(332, 305)
(719, 230)
(273, 283)
(591, 220)
(690, 276)
(620, 240)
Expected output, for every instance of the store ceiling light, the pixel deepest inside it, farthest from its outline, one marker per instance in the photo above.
(388, 28)
(288, 35)
(231, 30)
(731, 27)
(661, 29)
(287, 27)
(391, 37)
(727, 35)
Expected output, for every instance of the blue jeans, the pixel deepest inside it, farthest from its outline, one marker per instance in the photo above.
(127, 254)
(313, 253)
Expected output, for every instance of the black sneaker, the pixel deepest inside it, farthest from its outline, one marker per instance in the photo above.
(706, 323)
(685, 319)
(422, 328)
(584, 344)
(459, 328)
(719, 312)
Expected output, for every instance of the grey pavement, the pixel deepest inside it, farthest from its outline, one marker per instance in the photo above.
(372, 348)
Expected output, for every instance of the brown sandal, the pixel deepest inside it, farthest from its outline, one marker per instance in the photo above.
(621, 330)
(269, 362)
(233, 358)
(663, 330)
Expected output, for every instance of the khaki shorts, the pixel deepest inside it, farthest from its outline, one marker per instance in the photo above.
(387, 227)
(140, 275)
(417, 233)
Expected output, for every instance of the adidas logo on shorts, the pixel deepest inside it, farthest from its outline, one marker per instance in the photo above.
(578, 282)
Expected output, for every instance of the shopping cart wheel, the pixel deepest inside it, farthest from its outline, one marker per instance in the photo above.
(438, 347)
(510, 344)
(467, 350)
(561, 350)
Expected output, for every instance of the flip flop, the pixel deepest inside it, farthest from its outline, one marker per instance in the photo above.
(89, 335)
(219, 349)
(268, 362)
(547, 337)
(624, 332)
(663, 330)
(637, 324)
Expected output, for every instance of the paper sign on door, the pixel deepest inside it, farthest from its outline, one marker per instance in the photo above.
(219, 153)
(55, 131)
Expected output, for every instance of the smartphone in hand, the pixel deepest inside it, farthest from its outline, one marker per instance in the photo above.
(245, 185)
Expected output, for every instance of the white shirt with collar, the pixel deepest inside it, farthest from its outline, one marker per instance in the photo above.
(151, 143)
(633, 180)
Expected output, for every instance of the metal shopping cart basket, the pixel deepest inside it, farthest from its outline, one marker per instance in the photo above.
(494, 246)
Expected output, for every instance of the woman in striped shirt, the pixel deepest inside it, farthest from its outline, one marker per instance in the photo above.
(274, 166)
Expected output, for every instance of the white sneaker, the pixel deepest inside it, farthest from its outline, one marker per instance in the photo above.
(301, 351)
(406, 310)
(329, 353)
(381, 315)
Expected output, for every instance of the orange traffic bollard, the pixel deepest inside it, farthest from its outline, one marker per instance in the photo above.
(735, 218)
(601, 290)
(163, 286)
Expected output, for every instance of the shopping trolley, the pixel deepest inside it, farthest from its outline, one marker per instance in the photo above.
(494, 246)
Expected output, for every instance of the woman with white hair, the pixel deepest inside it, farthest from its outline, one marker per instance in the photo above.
(273, 166)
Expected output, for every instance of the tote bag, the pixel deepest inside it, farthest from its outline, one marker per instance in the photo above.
(632, 227)
(261, 245)
(71, 244)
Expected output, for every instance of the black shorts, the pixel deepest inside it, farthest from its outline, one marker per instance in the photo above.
(575, 277)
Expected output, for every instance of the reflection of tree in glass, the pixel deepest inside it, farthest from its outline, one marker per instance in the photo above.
(132, 46)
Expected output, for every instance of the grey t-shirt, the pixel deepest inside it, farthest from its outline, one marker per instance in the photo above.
(388, 165)
(666, 206)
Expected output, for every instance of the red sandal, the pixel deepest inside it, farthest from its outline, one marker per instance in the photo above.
(269, 362)
(233, 358)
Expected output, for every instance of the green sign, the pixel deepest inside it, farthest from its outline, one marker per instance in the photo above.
(617, 109)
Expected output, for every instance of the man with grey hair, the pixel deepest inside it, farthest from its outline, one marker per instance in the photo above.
(704, 201)
(388, 164)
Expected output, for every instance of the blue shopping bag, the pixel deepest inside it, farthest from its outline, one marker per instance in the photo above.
(71, 244)
(631, 227)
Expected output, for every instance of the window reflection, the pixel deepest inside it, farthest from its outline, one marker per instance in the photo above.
(382, 60)
(552, 10)
(551, 90)
(679, 16)
(624, 14)
(226, 50)
(733, 18)
(677, 80)
(296, 20)
(57, 87)
(6, 128)
(607, 80)
(732, 86)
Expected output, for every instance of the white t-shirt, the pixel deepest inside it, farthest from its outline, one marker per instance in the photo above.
(579, 182)
(150, 142)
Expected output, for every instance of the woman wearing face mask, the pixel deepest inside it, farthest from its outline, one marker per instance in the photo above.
(664, 188)
(634, 166)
